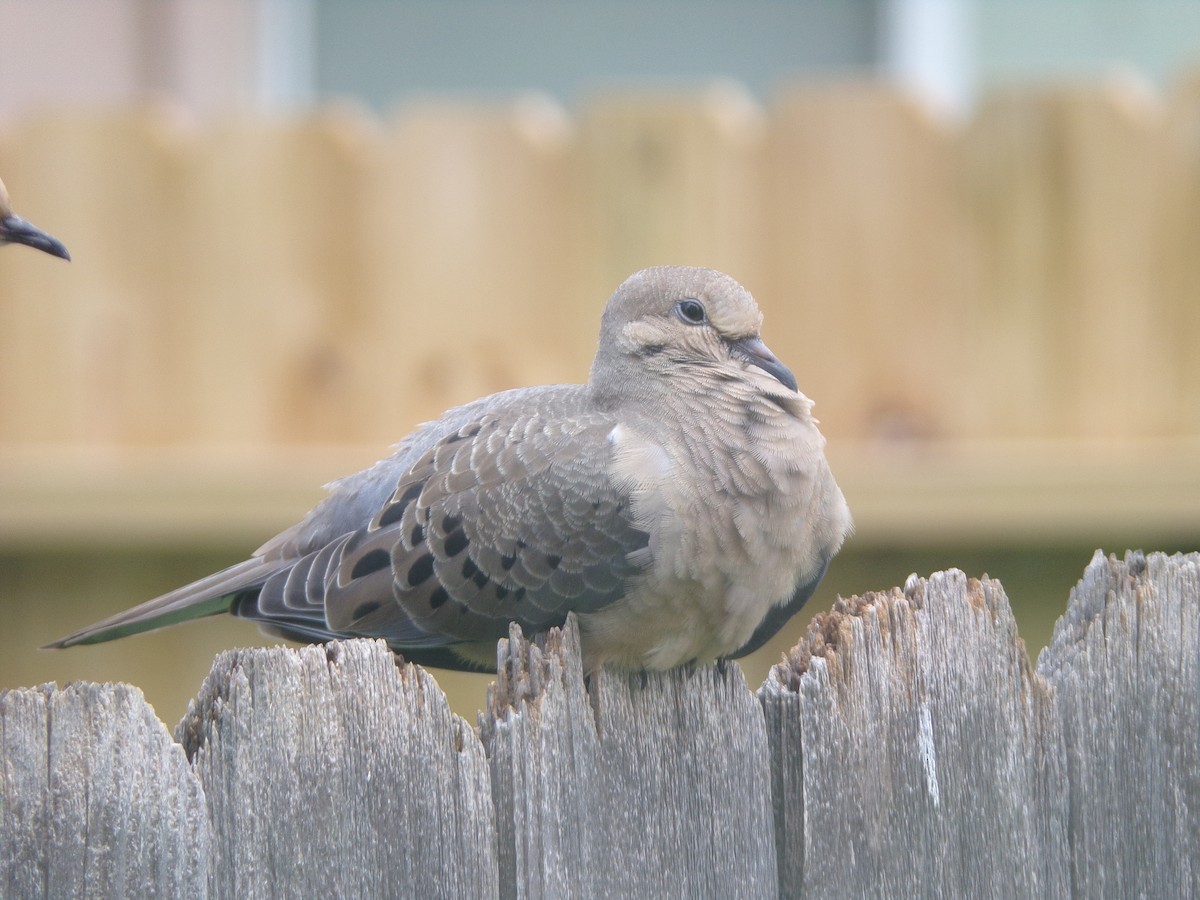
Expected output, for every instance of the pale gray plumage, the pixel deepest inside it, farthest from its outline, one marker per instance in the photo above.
(15, 230)
(679, 503)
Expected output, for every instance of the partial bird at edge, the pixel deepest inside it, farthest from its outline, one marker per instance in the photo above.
(15, 230)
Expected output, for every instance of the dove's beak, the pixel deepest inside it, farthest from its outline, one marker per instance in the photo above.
(755, 352)
(15, 230)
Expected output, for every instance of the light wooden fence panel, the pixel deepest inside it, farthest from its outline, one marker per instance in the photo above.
(85, 355)
(1070, 318)
(1177, 259)
(272, 290)
(474, 266)
(674, 179)
(869, 261)
(334, 279)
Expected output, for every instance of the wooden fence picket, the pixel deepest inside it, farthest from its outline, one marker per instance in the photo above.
(869, 261)
(906, 747)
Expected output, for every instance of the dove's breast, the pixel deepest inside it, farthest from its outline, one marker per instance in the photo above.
(740, 508)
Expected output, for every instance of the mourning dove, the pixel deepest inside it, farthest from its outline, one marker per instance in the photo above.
(679, 504)
(15, 230)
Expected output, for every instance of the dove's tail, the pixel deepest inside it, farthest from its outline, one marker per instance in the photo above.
(209, 596)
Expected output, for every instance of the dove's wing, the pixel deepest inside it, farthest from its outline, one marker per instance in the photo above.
(353, 500)
(512, 517)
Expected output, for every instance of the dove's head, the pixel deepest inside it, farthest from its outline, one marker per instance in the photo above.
(679, 319)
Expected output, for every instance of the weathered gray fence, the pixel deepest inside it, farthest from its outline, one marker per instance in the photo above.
(905, 748)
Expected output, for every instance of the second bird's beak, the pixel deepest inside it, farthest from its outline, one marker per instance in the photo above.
(755, 352)
(15, 230)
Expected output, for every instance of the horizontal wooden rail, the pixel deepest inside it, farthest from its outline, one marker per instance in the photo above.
(944, 491)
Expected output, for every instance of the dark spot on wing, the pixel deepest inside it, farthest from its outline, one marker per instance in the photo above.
(552, 560)
(480, 579)
(451, 523)
(365, 609)
(418, 535)
(392, 513)
(501, 592)
(469, 568)
(507, 562)
(420, 571)
(438, 597)
(456, 542)
(462, 434)
(395, 510)
(371, 562)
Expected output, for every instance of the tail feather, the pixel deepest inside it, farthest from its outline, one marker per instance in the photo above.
(209, 596)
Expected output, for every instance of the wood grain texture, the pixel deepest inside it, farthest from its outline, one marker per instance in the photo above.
(654, 787)
(96, 799)
(914, 749)
(906, 747)
(331, 772)
(1124, 665)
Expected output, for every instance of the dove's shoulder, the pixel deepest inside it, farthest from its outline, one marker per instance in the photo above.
(353, 500)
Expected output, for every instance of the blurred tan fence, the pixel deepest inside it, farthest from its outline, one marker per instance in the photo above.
(336, 279)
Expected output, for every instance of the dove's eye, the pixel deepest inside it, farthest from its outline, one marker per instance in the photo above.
(691, 311)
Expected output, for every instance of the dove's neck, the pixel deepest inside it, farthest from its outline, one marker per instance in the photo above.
(613, 382)
(695, 390)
